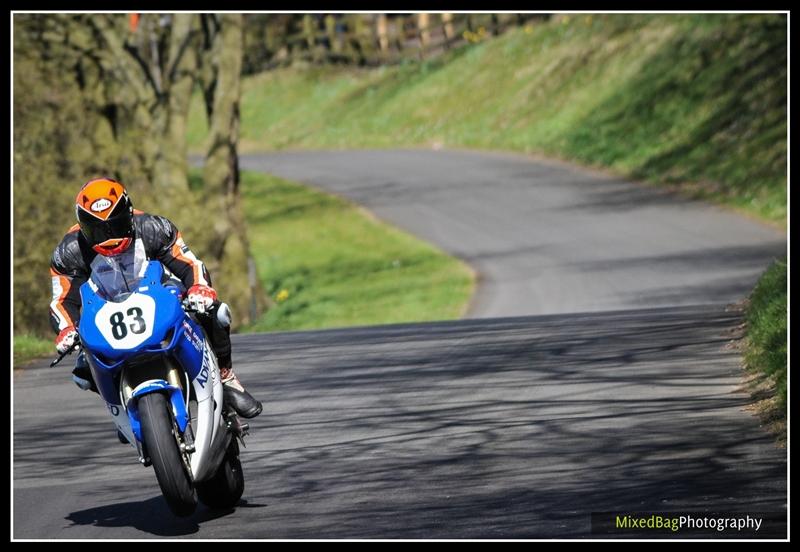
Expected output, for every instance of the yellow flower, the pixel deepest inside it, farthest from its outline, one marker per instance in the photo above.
(282, 296)
(528, 29)
(475, 37)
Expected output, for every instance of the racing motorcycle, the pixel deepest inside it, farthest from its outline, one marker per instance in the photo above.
(154, 367)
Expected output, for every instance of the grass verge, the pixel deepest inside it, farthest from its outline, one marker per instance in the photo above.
(765, 351)
(28, 348)
(328, 263)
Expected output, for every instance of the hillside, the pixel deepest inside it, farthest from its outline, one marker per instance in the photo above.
(691, 101)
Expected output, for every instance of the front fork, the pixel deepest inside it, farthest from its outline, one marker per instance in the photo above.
(136, 383)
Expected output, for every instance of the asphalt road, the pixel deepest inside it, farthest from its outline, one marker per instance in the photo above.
(492, 427)
(547, 237)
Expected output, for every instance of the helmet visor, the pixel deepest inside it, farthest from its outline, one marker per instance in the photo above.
(118, 226)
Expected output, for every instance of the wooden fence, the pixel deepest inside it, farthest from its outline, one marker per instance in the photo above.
(380, 39)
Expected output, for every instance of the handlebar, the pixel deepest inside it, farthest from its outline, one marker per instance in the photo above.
(187, 307)
(65, 353)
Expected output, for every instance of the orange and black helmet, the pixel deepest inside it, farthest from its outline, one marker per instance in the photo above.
(105, 215)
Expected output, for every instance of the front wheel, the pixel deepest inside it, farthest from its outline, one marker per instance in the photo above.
(225, 488)
(160, 435)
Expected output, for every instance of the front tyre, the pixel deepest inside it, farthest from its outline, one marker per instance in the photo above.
(160, 435)
(225, 488)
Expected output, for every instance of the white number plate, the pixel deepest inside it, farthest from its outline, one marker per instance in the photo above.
(128, 324)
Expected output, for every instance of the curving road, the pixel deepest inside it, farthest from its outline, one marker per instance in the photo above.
(628, 400)
(547, 237)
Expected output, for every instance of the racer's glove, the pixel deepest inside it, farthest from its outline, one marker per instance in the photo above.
(200, 297)
(66, 339)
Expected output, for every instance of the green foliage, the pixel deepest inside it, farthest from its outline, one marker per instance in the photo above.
(695, 101)
(767, 316)
(327, 263)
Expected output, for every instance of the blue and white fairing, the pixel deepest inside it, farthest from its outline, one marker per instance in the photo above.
(129, 314)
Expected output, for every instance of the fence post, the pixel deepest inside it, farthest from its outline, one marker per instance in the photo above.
(447, 28)
(358, 38)
(399, 36)
(330, 30)
(423, 32)
(383, 35)
(308, 31)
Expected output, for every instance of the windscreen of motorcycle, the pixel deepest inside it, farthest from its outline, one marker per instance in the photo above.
(118, 276)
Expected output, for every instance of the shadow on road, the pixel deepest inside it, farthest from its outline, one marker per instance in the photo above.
(484, 428)
(511, 428)
(151, 516)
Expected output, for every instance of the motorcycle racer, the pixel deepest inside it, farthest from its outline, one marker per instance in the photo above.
(108, 225)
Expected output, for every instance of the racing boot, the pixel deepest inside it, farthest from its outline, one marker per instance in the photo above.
(82, 374)
(235, 395)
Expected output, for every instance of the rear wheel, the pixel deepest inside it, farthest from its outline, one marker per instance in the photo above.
(160, 435)
(225, 488)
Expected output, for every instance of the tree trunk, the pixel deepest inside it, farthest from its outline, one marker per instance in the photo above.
(171, 170)
(229, 246)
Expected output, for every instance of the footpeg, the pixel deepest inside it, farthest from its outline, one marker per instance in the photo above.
(239, 428)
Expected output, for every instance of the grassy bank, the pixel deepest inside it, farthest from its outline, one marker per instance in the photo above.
(28, 348)
(690, 101)
(765, 349)
(327, 263)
